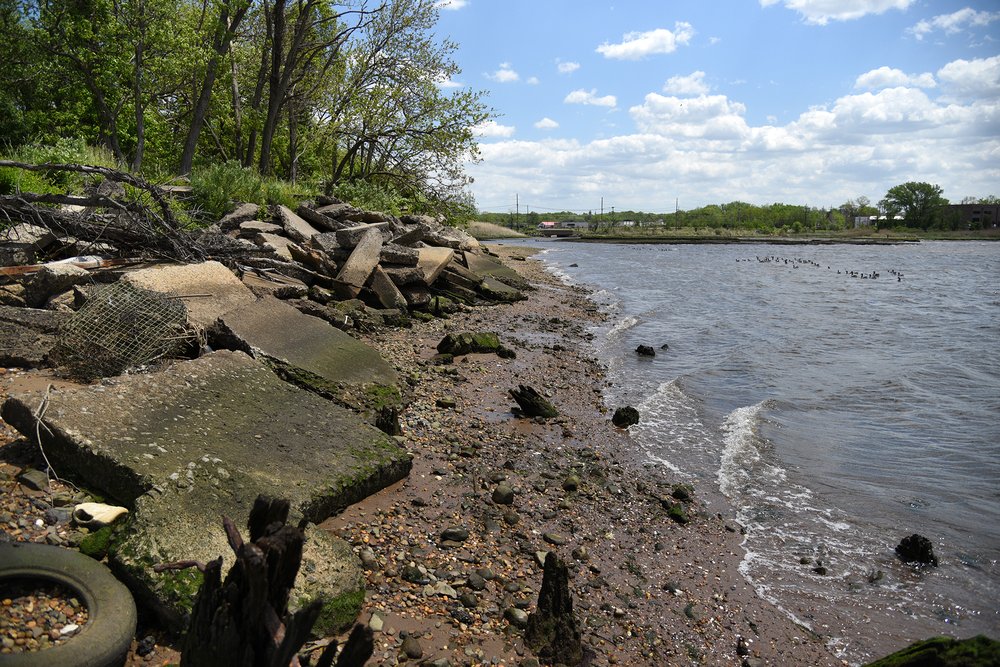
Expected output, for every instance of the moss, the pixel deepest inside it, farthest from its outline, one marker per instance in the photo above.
(383, 396)
(96, 544)
(181, 586)
(979, 651)
(677, 513)
(337, 614)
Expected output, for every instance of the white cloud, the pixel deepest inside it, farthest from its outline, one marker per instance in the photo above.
(979, 78)
(638, 45)
(705, 116)
(491, 128)
(546, 124)
(532, 81)
(451, 4)
(820, 12)
(505, 74)
(590, 97)
(954, 23)
(567, 67)
(703, 150)
(692, 84)
(887, 77)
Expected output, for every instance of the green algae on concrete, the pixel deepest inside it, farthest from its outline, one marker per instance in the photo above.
(306, 348)
(979, 651)
(201, 440)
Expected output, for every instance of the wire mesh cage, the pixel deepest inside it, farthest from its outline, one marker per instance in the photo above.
(121, 327)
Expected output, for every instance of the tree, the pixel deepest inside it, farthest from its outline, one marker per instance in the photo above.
(389, 119)
(920, 204)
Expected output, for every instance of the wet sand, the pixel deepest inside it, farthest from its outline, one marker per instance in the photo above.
(646, 589)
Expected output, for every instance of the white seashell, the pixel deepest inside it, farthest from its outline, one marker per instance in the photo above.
(96, 515)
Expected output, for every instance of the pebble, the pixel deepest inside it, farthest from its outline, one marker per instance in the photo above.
(503, 494)
(37, 615)
(412, 648)
(516, 617)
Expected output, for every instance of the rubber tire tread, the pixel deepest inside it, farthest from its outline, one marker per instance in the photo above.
(106, 637)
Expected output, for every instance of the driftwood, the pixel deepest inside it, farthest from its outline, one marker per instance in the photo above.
(552, 632)
(244, 621)
(133, 223)
(532, 403)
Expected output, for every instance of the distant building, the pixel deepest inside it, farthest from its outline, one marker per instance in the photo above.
(547, 224)
(974, 216)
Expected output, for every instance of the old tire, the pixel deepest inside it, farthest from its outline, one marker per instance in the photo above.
(105, 639)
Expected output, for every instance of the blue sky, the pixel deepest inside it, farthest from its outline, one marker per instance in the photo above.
(650, 102)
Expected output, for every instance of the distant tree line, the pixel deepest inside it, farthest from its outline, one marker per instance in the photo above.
(909, 205)
(313, 91)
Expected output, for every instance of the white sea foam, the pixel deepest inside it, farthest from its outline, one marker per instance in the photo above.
(740, 453)
(670, 427)
(623, 325)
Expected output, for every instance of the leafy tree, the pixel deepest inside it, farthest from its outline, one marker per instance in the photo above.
(920, 204)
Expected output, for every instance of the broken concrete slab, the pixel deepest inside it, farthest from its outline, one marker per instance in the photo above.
(409, 237)
(279, 245)
(304, 349)
(200, 440)
(276, 285)
(297, 229)
(433, 261)
(317, 219)
(208, 289)
(241, 214)
(27, 336)
(352, 236)
(493, 289)
(358, 267)
(393, 253)
(52, 279)
(251, 228)
(405, 275)
(385, 290)
(485, 265)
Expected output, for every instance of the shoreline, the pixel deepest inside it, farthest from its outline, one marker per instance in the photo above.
(646, 589)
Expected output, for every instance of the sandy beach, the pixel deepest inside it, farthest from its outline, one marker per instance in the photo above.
(647, 590)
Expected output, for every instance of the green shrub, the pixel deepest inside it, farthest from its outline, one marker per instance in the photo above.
(217, 187)
(64, 151)
(371, 196)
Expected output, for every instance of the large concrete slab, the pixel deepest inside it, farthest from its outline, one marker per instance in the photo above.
(304, 348)
(358, 267)
(485, 265)
(200, 440)
(27, 336)
(296, 228)
(208, 289)
(433, 261)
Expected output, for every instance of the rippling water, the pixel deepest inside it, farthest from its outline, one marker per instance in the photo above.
(835, 414)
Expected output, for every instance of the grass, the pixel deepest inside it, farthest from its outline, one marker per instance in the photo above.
(483, 231)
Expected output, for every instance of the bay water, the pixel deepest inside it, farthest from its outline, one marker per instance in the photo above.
(830, 410)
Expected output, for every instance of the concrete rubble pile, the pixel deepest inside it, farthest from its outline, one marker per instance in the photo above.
(263, 395)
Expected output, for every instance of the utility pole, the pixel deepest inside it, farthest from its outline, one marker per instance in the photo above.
(517, 211)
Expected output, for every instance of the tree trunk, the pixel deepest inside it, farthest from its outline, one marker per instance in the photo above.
(140, 107)
(224, 31)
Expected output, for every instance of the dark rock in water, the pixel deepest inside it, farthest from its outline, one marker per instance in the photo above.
(916, 549)
(532, 403)
(664, 347)
(625, 417)
(979, 651)
(645, 351)
(573, 265)
(552, 631)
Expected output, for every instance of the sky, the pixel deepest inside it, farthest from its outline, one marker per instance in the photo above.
(653, 105)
